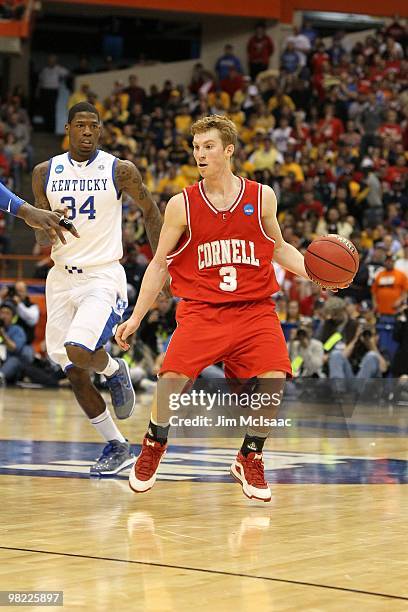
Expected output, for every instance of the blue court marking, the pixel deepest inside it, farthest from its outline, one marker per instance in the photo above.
(202, 464)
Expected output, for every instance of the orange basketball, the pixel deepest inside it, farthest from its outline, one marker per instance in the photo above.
(331, 261)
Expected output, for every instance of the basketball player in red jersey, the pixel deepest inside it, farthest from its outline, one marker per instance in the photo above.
(217, 242)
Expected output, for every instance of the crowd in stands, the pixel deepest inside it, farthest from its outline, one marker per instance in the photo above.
(15, 152)
(329, 132)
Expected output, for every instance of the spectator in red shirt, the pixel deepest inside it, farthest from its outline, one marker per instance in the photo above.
(137, 94)
(398, 171)
(301, 130)
(4, 162)
(319, 58)
(233, 83)
(330, 127)
(260, 48)
(391, 127)
(197, 78)
(310, 204)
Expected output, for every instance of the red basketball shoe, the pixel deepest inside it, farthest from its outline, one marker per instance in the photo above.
(144, 473)
(249, 471)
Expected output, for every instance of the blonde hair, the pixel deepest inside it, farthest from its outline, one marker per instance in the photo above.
(226, 127)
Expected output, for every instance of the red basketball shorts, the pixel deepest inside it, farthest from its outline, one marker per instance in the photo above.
(246, 336)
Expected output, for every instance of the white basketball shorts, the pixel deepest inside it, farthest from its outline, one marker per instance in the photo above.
(83, 307)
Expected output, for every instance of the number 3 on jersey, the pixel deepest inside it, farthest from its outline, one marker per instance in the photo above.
(87, 208)
(229, 278)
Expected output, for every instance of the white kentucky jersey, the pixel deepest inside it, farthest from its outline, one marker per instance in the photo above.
(89, 192)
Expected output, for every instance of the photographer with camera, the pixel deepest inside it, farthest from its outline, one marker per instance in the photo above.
(337, 329)
(12, 343)
(361, 358)
(306, 354)
(28, 313)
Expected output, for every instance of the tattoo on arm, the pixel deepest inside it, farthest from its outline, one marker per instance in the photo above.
(128, 179)
(40, 199)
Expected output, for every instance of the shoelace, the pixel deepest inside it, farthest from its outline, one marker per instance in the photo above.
(255, 468)
(109, 448)
(115, 386)
(106, 451)
(148, 461)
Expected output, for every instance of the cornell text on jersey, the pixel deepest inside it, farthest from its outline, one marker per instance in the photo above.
(230, 251)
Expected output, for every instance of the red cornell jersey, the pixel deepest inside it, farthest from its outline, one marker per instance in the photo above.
(225, 256)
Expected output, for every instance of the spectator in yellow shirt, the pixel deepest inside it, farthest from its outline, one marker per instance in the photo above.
(116, 115)
(173, 183)
(146, 178)
(183, 121)
(126, 139)
(280, 100)
(266, 157)
(237, 115)
(247, 133)
(242, 165)
(93, 99)
(120, 96)
(290, 166)
(256, 143)
(264, 119)
(81, 95)
(189, 171)
(219, 100)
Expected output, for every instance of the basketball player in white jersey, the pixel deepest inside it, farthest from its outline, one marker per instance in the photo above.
(86, 289)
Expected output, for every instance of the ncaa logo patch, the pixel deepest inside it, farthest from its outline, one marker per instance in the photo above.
(59, 169)
(101, 167)
(248, 209)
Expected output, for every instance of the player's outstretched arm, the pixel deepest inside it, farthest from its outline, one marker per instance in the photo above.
(49, 225)
(46, 220)
(128, 179)
(284, 253)
(175, 223)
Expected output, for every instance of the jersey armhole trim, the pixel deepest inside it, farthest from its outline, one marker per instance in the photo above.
(260, 214)
(47, 178)
(118, 192)
(187, 207)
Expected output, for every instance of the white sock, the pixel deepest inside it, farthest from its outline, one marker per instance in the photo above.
(111, 368)
(105, 426)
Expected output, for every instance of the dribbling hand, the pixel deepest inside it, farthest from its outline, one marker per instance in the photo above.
(125, 330)
(339, 287)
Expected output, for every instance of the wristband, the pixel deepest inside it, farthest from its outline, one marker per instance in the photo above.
(9, 202)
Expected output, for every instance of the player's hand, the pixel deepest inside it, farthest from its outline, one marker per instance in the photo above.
(125, 330)
(52, 222)
(332, 289)
(336, 289)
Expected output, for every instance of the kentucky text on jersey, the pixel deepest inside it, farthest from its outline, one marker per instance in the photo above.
(94, 204)
(90, 184)
(228, 251)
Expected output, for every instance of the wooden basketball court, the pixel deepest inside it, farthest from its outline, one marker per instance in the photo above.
(334, 536)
